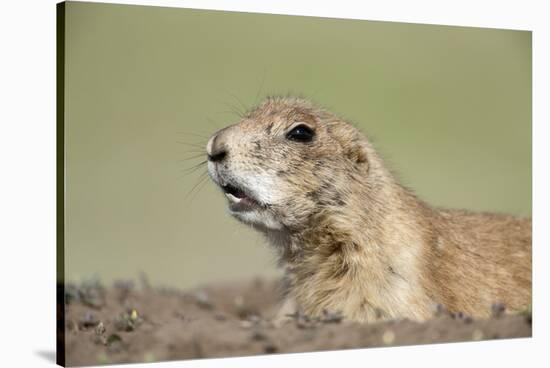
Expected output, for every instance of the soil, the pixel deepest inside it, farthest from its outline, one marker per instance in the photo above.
(125, 323)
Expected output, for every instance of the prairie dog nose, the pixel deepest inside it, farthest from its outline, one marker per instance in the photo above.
(216, 149)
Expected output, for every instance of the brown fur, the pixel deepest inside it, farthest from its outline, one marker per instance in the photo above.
(352, 239)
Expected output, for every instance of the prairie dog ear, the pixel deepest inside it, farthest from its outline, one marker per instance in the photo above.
(353, 143)
(357, 152)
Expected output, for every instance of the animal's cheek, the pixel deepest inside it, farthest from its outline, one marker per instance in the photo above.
(294, 214)
(295, 197)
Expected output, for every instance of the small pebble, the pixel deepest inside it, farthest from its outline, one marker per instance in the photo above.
(258, 336)
(149, 357)
(89, 320)
(477, 335)
(270, 349)
(497, 310)
(203, 300)
(100, 329)
(254, 318)
(388, 337)
(102, 358)
(246, 324)
(238, 301)
(99, 339)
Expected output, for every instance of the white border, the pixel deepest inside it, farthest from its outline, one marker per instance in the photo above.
(27, 184)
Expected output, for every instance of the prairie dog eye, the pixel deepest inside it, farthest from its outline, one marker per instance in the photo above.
(301, 133)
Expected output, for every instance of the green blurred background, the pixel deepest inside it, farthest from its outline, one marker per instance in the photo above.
(448, 107)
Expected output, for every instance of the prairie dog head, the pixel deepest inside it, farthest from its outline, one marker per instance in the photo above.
(285, 161)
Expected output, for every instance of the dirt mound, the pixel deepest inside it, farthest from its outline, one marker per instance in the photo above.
(123, 324)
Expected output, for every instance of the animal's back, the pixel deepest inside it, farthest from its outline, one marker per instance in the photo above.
(478, 259)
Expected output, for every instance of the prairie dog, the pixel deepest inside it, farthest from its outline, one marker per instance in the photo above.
(351, 238)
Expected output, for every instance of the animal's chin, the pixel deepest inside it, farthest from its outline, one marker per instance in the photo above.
(248, 209)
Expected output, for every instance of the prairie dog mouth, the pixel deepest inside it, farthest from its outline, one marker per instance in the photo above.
(239, 201)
